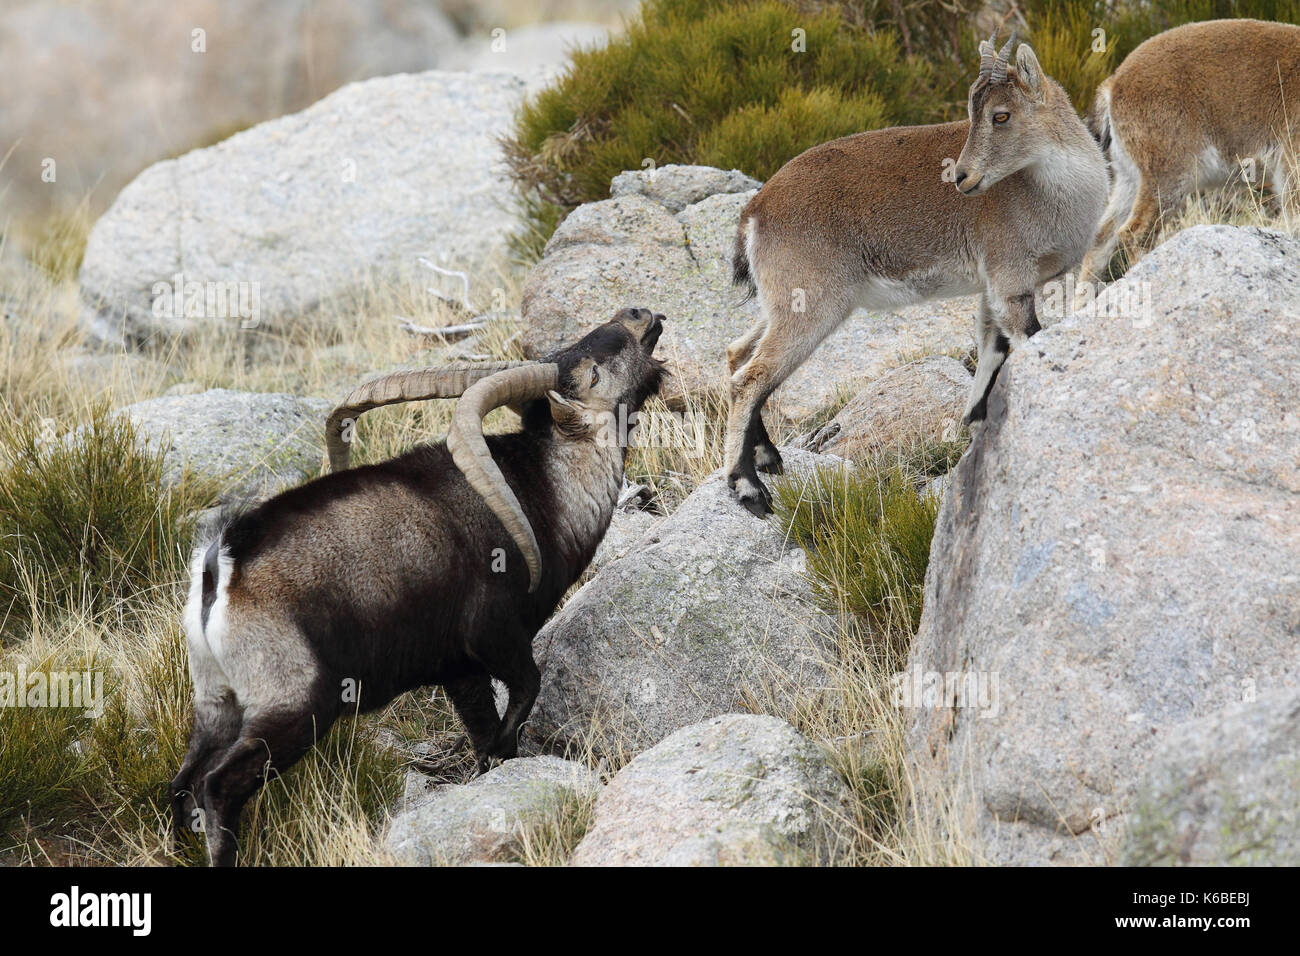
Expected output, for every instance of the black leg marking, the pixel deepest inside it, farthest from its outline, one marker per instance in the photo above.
(523, 680)
(744, 480)
(278, 740)
(212, 733)
(477, 709)
(980, 410)
(766, 456)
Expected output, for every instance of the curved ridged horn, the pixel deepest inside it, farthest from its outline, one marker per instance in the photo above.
(987, 56)
(470, 452)
(443, 381)
(998, 74)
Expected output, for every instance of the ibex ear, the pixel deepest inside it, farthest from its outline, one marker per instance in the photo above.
(571, 417)
(1029, 72)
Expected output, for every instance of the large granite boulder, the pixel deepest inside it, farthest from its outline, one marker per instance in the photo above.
(1118, 554)
(309, 209)
(708, 611)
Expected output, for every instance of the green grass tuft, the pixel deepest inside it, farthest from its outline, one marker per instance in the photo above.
(85, 516)
(867, 535)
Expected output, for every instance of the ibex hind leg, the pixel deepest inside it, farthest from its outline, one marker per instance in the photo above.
(510, 660)
(766, 456)
(739, 351)
(1152, 207)
(216, 727)
(1096, 267)
(275, 740)
(789, 339)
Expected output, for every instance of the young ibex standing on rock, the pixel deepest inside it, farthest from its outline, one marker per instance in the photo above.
(872, 221)
(437, 567)
(1193, 108)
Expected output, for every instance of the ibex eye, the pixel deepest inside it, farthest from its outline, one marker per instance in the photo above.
(595, 375)
(1001, 118)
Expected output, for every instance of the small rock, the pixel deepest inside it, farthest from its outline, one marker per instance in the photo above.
(675, 187)
(738, 789)
(480, 821)
(922, 401)
(253, 443)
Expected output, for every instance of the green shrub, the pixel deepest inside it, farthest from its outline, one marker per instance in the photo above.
(718, 82)
(714, 82)
(85, 519)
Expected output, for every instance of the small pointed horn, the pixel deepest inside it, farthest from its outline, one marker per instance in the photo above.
(470, 452)
(443, 381)
(986, 53)
(999, 72)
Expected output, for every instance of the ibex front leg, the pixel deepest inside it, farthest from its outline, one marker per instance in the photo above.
(996, 337)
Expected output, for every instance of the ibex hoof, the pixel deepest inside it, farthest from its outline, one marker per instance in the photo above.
(751, 493)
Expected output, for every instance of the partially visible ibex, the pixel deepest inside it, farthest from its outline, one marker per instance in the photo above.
(1192, 108)
(437, 567)
(871, 221)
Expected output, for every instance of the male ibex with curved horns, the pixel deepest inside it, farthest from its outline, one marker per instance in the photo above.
(871, 221)
(437, 567)
(1192, 108)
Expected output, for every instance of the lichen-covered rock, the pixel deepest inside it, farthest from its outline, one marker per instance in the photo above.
(676, 187)
(708, 606)
(480, 821)
(919, 402)
(1223, 791)
(738, 789)
(349, 193)
(252, 443)
(666, 239)
(1118, 553)
(626, 528)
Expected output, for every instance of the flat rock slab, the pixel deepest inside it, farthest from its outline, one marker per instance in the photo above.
(479, 821)
(738, 789)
